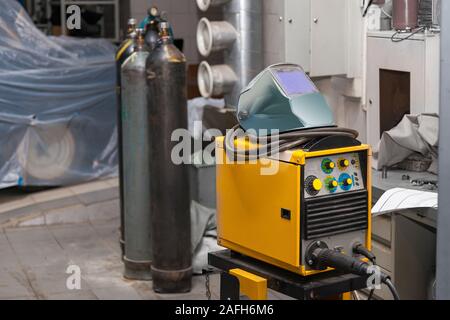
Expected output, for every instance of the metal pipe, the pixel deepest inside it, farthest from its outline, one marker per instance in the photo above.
(215, 81)
(213, 36)
(405, 14)
(136, 151)
(245, 56)
(169, 184)
(443, 219)
(205, 5)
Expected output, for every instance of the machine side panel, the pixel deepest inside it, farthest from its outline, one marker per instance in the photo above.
(262, 211)
(369, 198)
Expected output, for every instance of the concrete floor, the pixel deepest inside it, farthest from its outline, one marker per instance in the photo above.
(34, 260)
(45, 232)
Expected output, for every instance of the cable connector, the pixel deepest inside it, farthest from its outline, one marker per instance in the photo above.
(323, 258)
(360, 249)
(320, 257)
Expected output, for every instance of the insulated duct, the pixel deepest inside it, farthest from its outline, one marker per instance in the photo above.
(240, 36)
(204, 5)
(215, 81)
(213, 36)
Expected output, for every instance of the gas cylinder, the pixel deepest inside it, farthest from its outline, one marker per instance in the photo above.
(152, 28)
(136, 151)
(169, 184)
(124, 51)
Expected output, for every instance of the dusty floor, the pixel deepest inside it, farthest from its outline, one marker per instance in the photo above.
(34, 261)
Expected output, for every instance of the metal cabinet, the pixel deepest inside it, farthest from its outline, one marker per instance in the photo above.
(418, 59)
(315, 35)
(405, 247)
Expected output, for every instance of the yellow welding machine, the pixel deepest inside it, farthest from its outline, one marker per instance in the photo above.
(275, 209)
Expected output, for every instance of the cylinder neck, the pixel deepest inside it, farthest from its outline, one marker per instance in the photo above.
(164, 33)
(152, 25)
(131, 27)
(140, 40)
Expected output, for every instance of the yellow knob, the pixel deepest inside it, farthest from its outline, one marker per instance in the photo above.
(334, 184)
(331, 165)
(317, 185)
(349, 181)
(344, 163)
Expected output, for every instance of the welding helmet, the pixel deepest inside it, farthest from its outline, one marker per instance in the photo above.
(283, 97)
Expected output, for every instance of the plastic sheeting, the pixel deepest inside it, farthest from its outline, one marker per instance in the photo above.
(57, 105)
(203, 235)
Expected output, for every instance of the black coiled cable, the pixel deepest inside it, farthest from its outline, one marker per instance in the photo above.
(278, 143)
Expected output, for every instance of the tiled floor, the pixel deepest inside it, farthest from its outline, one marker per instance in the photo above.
(71, 204)
(33, 264)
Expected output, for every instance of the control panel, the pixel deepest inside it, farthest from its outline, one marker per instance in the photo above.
(333, 175)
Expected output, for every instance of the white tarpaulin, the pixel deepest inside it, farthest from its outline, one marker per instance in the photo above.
(414, 135)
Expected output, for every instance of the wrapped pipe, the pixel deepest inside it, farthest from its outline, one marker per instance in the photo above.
(246, 57)
(213, 36)
(215, 81)
(244, 52)
(204, 5)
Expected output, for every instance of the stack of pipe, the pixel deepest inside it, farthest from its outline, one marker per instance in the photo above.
(239, 35)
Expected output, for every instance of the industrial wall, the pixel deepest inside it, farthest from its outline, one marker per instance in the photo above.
(344, 93)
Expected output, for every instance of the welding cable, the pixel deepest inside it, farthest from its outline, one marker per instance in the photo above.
(326, 258)
(360, 249)
(278, 143)
(392, 288)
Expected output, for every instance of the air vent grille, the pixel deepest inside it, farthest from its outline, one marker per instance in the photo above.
(332, 215)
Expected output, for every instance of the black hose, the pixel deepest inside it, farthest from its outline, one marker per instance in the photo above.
(278, 143)
(323, 258)
(391, 287)
(394, 37)
(360, 249)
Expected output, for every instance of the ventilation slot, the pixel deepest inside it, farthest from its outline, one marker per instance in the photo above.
(332, 215)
